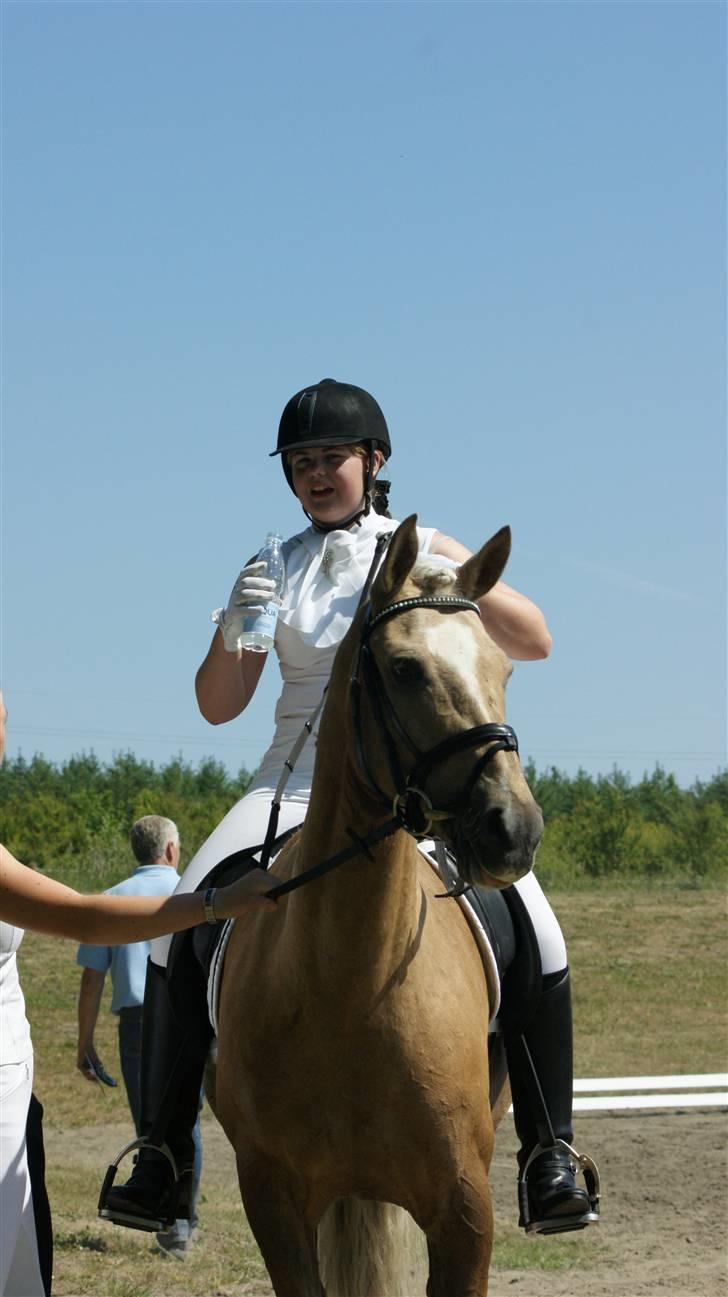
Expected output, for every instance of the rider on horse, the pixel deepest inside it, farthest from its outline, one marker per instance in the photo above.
(333, 440)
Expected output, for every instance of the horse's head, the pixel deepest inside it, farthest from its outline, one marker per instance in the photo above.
(429, 708)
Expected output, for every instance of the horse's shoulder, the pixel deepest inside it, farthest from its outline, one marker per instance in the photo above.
(287, 858)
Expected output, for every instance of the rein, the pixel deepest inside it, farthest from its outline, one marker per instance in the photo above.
(412, 809)
(360, 846)
(317, 871)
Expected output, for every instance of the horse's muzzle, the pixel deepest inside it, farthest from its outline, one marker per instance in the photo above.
(497, 845)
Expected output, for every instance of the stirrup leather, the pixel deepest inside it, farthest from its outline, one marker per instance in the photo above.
(561, 1224)
(132, 1220)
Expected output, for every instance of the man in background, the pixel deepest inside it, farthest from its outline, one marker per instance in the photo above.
(155, 843)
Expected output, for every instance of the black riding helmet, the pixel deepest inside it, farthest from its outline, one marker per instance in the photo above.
(332, 414)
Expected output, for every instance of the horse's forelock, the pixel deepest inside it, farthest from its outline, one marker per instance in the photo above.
(433, 578)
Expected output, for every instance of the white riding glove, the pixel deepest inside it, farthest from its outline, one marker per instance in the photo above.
(250, 594)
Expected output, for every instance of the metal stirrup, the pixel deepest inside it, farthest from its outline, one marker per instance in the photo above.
(561, 1224)
(107, 1213)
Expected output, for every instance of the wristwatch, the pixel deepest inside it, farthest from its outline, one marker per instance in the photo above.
(208, 905)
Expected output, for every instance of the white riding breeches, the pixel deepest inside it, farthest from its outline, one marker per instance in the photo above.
(549, 936)
(20, 1274)
(246, 823)
(244, 826)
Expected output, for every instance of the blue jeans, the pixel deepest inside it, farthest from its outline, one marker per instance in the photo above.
(130, 1056)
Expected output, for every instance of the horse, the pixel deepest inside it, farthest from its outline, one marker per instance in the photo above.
(352, 1065)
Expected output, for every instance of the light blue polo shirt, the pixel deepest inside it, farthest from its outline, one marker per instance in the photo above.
(128, 963)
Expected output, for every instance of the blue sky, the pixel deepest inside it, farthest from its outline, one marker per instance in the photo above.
(505, 220)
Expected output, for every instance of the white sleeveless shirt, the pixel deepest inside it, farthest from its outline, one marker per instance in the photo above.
(325, 575)
(15, 1042)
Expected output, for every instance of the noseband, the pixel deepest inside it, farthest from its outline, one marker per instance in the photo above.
(411, 804)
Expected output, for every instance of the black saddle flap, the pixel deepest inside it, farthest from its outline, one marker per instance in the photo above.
(510, 932)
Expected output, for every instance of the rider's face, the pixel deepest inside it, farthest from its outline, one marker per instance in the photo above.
(328, 480)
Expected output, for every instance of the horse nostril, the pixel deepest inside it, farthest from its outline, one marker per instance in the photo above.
(495, 824)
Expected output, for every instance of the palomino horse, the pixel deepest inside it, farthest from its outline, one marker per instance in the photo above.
(352, 1047)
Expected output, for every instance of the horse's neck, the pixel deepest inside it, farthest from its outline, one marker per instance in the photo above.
(364, 914)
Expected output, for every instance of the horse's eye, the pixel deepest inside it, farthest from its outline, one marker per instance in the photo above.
(407, 671)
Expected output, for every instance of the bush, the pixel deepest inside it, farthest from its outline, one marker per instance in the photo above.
(74, 819)
(607, 827)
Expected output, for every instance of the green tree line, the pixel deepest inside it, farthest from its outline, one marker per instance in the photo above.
(606, 825)
(73, 819)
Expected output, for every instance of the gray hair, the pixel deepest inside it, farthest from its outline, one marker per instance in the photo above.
(149, 837)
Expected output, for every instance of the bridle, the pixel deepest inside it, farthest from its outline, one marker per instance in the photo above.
(412, 809)
(411, 804)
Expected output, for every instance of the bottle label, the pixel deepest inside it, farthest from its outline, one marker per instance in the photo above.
(262, 623)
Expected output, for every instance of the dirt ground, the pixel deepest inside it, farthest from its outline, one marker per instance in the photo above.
(664, 1205)
(664, 1208)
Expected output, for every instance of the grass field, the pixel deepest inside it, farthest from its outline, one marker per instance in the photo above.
(649, 969)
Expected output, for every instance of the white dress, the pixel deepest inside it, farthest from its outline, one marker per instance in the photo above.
(325, 574)
(20, 1274)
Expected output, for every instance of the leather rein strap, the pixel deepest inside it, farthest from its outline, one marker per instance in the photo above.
(359, 846)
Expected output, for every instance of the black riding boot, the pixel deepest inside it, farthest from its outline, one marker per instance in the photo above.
(172, 1063)
(550, 1199)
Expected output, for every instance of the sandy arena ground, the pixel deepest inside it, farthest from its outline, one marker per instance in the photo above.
(664, 1202)
(664, 1208)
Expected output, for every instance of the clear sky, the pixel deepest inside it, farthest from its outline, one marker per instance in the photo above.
(506, 220)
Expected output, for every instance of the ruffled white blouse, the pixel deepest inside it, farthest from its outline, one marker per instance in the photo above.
(325, 574)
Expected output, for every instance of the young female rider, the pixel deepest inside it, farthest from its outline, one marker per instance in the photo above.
(30, 900)
(333, 440)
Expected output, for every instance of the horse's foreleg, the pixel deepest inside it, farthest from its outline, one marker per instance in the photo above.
(460, 1239)
(275, 1210)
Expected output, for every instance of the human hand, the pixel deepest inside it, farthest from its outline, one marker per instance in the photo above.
(246, 893)
(92, 1069)
(86, 1061)
(251, 592)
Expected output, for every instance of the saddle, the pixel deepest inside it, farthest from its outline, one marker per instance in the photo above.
(506, 925)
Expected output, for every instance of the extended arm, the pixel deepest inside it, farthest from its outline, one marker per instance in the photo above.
(515, 623)
(89, 1003)
(30, 900)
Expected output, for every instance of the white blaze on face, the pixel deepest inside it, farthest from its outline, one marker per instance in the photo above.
(457, 647)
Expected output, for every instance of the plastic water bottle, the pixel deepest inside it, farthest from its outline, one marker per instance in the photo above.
(259, 628)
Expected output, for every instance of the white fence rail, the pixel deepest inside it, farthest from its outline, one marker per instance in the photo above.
(615, 1083)
(611, 1094)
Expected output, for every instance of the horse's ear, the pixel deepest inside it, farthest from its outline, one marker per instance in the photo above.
(480, 573)
(399, 560)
